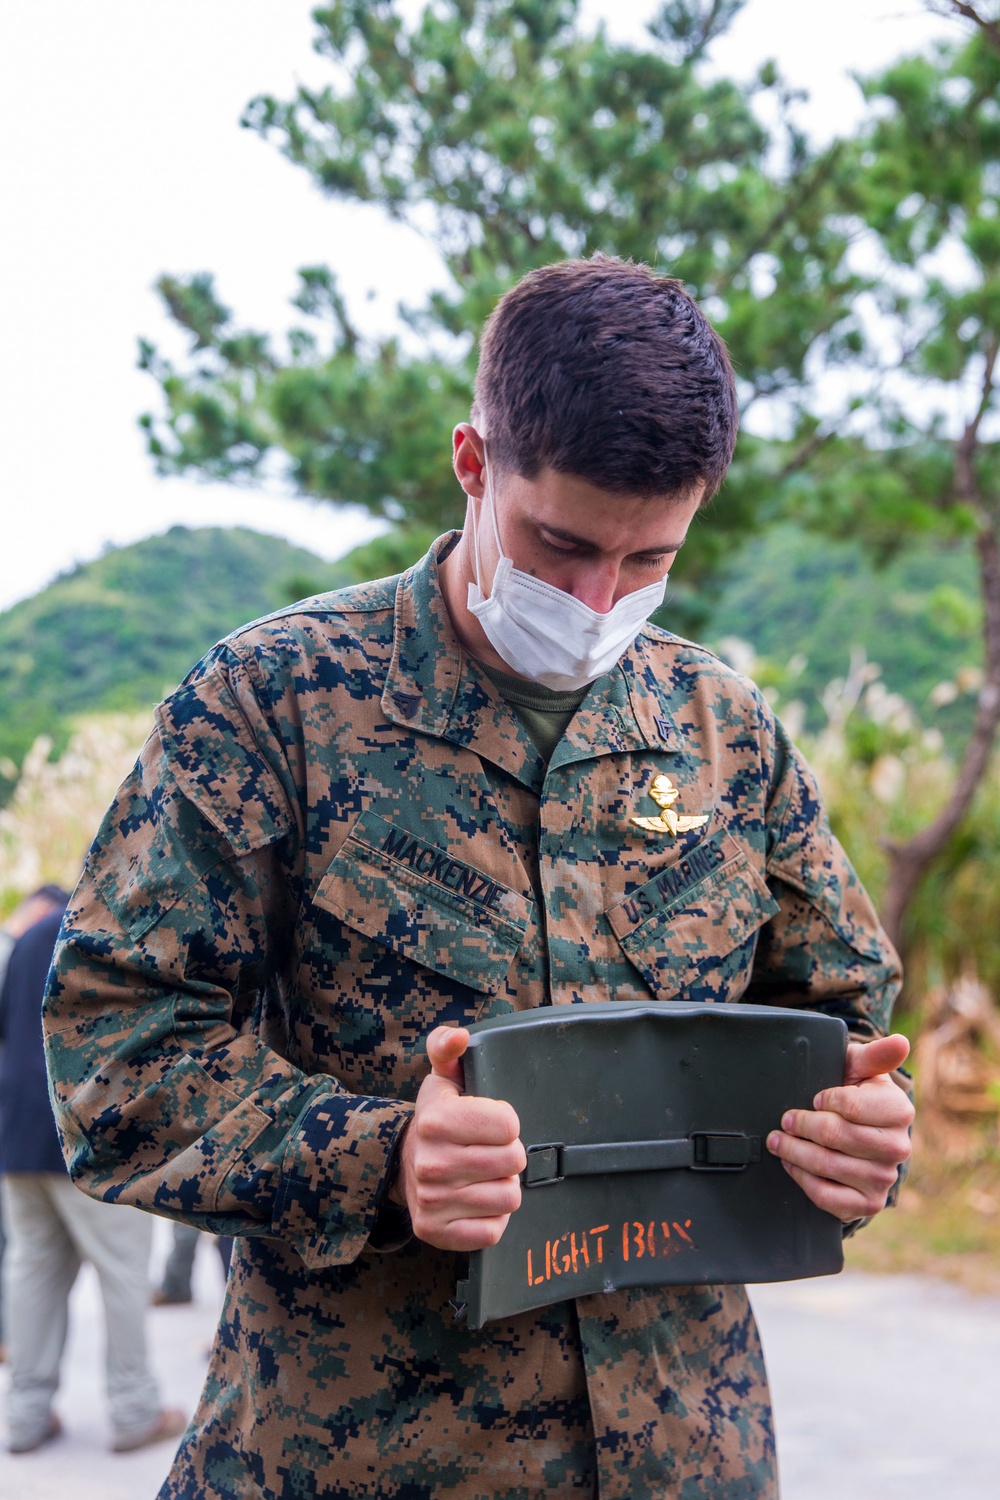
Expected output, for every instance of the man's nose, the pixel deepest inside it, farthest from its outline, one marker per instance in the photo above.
(596, 586)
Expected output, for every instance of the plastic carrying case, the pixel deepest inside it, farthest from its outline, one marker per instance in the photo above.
(645, 1128)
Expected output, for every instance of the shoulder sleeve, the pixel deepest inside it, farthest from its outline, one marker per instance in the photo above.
(824, 948)
(165, 1096)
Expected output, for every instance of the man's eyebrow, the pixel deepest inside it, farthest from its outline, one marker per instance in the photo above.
(585, 541)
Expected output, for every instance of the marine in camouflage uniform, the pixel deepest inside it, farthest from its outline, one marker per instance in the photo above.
(340, 835)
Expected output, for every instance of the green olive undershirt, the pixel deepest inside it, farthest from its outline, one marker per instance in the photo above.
(545, 714)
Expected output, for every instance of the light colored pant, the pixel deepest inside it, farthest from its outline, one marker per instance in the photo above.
(51, 1229)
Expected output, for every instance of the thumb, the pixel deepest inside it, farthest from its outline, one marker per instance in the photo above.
(869, 1059)
(445, 1046)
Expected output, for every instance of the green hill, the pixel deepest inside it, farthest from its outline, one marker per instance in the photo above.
(790, 594)
(123, 630)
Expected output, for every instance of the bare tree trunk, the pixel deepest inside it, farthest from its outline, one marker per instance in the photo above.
(909, 862)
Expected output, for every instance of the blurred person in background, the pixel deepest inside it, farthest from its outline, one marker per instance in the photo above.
(52, 1229)
(27, 912)
(175, 1289)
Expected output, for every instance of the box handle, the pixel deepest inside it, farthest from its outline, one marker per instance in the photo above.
(701, 1151)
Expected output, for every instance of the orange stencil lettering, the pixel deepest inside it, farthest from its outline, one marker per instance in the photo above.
(625, 1241)
(640, 1240)
(599, 1231)
(534, 1280)
(680, 1230)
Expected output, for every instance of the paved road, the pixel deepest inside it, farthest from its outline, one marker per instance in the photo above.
(884, 1387)
(78, 1466)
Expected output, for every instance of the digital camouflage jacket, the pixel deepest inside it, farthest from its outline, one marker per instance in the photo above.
(338, 836)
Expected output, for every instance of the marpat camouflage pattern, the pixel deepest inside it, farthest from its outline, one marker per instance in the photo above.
(337, 837)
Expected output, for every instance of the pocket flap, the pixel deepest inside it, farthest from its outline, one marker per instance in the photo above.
(417, 899)
(218, 766)
(704, 906)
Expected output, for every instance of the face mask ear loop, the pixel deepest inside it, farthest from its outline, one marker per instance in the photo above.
(475, 542)
(493, 501)
(493, 516)
(475, 524)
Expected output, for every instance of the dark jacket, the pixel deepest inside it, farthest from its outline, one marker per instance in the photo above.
(28, 1139)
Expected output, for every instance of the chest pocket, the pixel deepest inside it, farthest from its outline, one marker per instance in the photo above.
(417, 900)
(691, 930)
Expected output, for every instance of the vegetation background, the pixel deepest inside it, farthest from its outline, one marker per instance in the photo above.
(852, 562)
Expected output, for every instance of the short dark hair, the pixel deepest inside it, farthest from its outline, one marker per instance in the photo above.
(603, 369)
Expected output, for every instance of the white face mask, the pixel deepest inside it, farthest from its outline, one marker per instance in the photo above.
(544, 633)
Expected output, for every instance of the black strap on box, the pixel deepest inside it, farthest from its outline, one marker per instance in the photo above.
(701, 1151)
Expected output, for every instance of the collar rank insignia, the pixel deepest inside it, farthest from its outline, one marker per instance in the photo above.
(665, 794)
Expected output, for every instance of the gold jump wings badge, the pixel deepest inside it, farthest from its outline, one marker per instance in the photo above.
(665, 794)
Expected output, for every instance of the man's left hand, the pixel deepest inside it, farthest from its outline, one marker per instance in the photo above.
(845, 1152)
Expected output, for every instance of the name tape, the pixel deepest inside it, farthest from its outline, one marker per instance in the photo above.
(442, 869)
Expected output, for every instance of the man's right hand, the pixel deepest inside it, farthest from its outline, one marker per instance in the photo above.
(461, 1156)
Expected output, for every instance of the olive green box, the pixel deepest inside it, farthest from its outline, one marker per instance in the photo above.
(645, 1127)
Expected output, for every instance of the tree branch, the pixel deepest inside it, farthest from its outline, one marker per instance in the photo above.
(966, 488)
(806, 183)
(989, 29)
(805, 452)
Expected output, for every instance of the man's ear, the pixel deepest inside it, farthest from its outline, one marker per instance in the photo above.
(468, 459)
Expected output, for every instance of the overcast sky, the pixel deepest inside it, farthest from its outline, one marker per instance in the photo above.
(123, 158)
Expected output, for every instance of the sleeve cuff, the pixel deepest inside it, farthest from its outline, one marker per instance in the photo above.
(333, 1176)
(393, 1227)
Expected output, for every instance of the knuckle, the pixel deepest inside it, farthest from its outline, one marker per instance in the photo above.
(424, 1199)
(423, 1228)
(886, 1179)
(431, 1124)
(511, 1197)
(851, 1106)
(492, 1230)
(429, 1170)
(836, 1132)
(895, 1149)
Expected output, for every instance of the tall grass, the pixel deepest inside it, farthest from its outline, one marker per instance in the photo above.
(57, 806)
(884, 776)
